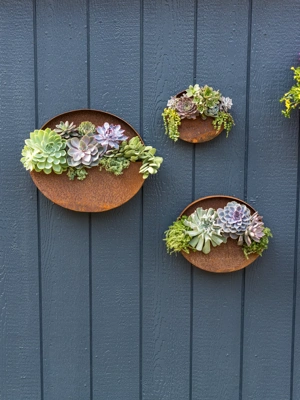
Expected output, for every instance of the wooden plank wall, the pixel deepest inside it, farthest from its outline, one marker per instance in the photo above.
(91, 306)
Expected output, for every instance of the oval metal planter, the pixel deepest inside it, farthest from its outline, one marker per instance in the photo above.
(227, 257)
(197, 130)
(100, 191)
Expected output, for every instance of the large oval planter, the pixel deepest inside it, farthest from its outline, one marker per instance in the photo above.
(227, 257)
(100, 191)
(197, 130)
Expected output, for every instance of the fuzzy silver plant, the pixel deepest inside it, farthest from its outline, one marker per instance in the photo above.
(84, 152)
(234, 219)
(225, 104)
(203, 231)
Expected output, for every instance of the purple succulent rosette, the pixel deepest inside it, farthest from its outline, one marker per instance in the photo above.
(110, 135)
(84, 151)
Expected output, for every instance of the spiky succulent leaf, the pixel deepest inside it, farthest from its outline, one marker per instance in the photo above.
(84, 152)
(66, 130)
(234, 219)
(44, 151)
(86, 128)
(203, 230)
(110, 135)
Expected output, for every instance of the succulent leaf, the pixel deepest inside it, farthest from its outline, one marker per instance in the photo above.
(234, 219)
(84, 152)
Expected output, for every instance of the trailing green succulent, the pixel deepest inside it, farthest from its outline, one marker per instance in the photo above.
(206, 227)
(176, 237)
(203, 230)
(45, 151)
(197, 101)
(291, 99)
(258, 247)
(223, 119)
(171, 122)
(86, 147)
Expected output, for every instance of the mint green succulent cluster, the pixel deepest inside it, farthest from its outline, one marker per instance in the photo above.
(208, 227)
(75, 149)
(197, 101)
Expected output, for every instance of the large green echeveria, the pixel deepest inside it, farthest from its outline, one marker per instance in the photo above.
(203, 230)
(44, 151)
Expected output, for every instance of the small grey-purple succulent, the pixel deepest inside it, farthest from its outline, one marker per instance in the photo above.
(234, 219)
(110, 135)
(84, 151)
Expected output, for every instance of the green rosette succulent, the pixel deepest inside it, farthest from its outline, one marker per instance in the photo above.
(203, 230)
(45, 151)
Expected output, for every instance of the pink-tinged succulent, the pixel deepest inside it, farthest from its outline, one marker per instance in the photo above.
(186, 108)
(110, 135)
(84, 151)
(254, 231)
(234, 219)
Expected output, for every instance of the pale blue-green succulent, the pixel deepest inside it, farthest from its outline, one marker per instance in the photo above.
(44, 151)
(203, 230)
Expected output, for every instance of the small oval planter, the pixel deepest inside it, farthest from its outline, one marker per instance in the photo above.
(101, 190)
(188, 119)
(197, 130)
(226, 257)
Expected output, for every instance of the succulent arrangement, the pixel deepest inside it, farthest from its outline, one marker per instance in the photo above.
(197, 101)
(205, 228)
(74, 149)
(291, 99)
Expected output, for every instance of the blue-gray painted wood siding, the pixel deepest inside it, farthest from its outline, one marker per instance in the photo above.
(91, 306)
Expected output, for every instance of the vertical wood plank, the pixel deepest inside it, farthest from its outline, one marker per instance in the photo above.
(272, 182)
(62, 86)
(219, 169)
(115, 88)
(167, 69)
(19, 292)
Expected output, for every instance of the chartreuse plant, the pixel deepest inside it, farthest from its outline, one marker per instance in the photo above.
(197, 101)
(291, 99)
(45, 151)
(206, 228)
(76, 149)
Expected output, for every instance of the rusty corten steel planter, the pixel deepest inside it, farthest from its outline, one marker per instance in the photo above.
(227, 257)
(197, 130)
(100, 191)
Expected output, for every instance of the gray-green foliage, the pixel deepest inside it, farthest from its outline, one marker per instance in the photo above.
(132, 151)
(203, 231)
(45, 151)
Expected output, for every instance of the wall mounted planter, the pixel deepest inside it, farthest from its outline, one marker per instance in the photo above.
(101, 190)
(197, 115)
(227, 256)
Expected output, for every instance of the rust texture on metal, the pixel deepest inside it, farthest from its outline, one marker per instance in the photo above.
(100, 191)
(226, 257)
(197, 130)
